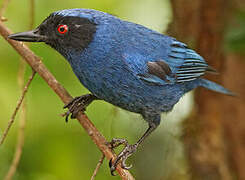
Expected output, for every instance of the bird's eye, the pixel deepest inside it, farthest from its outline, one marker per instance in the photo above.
(62, 29)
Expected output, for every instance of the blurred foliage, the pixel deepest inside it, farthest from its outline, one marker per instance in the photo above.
(235, 38)
(56, 150)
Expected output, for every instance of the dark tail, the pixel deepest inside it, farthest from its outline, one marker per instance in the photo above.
(215, 87)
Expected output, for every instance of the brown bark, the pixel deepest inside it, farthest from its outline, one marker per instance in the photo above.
(214, 141)
(233, 116)
(208, 153)
(185, 23)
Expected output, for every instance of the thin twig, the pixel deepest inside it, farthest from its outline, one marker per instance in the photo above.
(22, 122)
(4, 7)
(20, 142)
(39, 67)
(16, 109)
(98, 167)
(19, 146)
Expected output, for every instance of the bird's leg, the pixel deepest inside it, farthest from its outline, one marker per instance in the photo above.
(78, 104)
(128, 150)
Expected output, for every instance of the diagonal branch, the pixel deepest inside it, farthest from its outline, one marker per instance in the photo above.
(20, 140)
(16, 109)
(39, 67)
(98, 167)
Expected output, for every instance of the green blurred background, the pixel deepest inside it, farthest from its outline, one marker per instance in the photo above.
(55, 150)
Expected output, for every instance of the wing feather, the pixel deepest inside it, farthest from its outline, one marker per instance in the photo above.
(158, 71)
(187, 63)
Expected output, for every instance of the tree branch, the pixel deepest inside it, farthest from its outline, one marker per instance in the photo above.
(98, 167)
(39, 67)
(21, 134)
(16, 110)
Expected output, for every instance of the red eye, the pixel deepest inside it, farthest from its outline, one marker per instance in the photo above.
(62, 29)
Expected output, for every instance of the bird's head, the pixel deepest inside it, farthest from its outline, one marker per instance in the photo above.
(63, 30)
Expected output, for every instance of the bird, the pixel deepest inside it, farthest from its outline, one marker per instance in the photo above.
(123, 63)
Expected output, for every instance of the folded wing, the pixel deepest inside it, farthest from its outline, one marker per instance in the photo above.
(187, 65)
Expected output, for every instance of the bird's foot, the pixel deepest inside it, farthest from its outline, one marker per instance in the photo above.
(128, 150)
(78, 104)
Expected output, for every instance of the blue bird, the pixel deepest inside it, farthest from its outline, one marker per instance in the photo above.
(123, 63)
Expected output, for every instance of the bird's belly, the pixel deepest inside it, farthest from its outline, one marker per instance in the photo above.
(115, 92)
(131, 93)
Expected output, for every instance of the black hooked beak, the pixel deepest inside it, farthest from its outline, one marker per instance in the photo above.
(29, 36)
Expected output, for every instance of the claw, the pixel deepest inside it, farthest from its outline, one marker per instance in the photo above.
(112, 168)
(123, 155)
(126, 167)
(110, 163)
(123, 164)
(71, 102)
(128, 149)
(115, 142)
(78, 104)
(67, 116)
